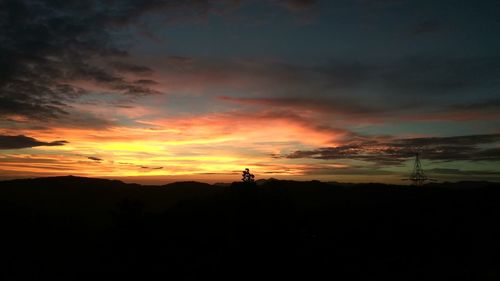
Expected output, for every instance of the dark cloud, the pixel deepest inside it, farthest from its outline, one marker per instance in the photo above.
(447, 171)
(323, 170)
(359, 85)
(141, 167)
(491, 154)
(455, 141)
(15, 119)
(94, 158)
(46, 44)
(30, 107)
(21, 141)
(396, 151)
(151, 168)
(423, 84)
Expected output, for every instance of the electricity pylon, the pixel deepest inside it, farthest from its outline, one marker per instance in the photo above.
(418, 176)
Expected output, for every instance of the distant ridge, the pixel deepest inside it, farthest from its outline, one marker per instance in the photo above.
(186, 184)
(270, 182)
(69, 180)
(265, 181)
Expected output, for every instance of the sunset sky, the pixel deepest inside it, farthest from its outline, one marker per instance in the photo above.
(155, 91)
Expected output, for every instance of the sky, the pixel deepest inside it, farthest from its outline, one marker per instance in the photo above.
(155, 91)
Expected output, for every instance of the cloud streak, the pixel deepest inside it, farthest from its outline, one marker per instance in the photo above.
(97, 159)
(397, 151)
(419, 88)
(21, 141)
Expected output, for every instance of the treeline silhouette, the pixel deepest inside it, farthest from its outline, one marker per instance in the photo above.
(72, 227)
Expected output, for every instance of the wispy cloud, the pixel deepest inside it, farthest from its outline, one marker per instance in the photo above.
(396, 151)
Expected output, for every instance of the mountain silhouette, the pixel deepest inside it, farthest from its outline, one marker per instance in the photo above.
(273, 229)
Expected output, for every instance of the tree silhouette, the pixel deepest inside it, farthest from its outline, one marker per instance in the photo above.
(247, 176)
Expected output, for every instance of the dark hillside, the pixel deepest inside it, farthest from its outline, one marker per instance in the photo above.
(70, 226)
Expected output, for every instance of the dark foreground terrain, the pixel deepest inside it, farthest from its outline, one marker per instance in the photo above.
(73, 227)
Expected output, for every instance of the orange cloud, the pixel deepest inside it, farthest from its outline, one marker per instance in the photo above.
(219, 143)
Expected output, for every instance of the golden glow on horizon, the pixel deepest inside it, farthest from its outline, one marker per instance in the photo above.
(210, 144)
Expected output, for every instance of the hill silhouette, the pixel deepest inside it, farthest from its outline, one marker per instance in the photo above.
(74, 226)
